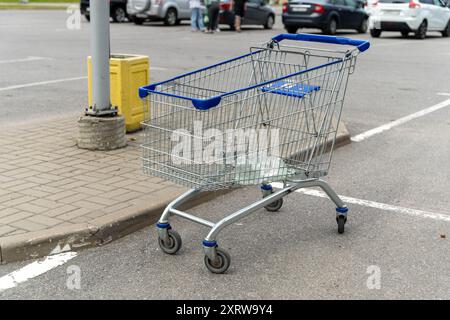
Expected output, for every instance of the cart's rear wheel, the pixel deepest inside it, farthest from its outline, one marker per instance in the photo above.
(341, 220)
(274, 206)
(172, 244)
(221, 264)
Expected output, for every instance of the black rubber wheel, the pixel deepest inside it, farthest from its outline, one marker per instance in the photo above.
(221, 265)
(375, 33)
(274, 206)
(291, 29)
(341, 220)
(173, 244)
(171, 17)
(138, 21)
(421, 33)
(269, 22)
(405, 34)
(364, 26)
(331, 27)
(88, 17)
(119, 14)
(446, 32)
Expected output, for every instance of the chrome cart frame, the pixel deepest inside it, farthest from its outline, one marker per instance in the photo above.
(296, 91)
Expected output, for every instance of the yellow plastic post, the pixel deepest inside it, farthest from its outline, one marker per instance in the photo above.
(127, 73)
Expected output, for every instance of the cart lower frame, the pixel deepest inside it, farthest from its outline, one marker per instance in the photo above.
(216, 259)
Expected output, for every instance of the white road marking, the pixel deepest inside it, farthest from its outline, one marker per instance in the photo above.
(362, 136)
(33, 84)
(376, 205)
(23, 60)
(34, 269)
(443, 94)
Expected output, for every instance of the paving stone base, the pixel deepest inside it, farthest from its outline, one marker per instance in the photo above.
(101, 133)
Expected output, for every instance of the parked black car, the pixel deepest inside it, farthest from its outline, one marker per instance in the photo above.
(259, 12)
(328, 15)
(117, 11)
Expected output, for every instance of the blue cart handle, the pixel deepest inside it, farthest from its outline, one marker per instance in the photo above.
(362, 45)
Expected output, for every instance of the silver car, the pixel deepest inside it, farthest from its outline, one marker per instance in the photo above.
(169, 11)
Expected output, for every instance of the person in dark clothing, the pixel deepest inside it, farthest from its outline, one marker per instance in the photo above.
(213, 15)
(239, 7)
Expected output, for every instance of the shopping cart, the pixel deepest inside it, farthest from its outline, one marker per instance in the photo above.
(269, 115)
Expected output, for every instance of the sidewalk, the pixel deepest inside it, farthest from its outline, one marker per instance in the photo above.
(50, 189)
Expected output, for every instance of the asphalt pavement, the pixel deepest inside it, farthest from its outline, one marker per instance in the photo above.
(397, 180)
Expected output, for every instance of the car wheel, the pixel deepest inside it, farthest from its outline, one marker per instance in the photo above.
(138, 21)
(291, 29)
(88, 17)
(364, 26)
(269, 22)
(331, 27)
(421, 33)
(446, 32)
(405, 34)
(376, 33)
(119, 14)
(171, 17)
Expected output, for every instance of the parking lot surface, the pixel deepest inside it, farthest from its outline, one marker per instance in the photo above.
(396, 181)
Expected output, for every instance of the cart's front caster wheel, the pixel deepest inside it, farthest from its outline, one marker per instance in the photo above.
(275, 206)
(172, 244)
(341, 220)
(221, 264)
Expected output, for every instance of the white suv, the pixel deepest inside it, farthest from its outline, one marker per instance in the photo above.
(418, 16)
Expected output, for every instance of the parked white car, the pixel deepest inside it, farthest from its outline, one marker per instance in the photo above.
(405, 16)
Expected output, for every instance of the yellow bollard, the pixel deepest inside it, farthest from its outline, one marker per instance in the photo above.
(127, 73)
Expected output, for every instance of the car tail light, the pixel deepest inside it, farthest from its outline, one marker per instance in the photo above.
(318, 8)
(285, 7)
(413, 5)
(225, 6)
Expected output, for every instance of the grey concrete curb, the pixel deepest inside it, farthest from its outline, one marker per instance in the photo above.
(84, 235)
(105, 229)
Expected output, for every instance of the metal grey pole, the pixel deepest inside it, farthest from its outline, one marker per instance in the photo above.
(100, 58)
(101, 128)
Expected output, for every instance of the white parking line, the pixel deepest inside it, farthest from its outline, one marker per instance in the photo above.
(376, 205)
(34, 269)
(23, 60)
(33, 84)
(362, 136)
(443, 94)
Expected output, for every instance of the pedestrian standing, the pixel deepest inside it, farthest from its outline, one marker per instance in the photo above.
(196, 15)
(213, 7)
(239, 8)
